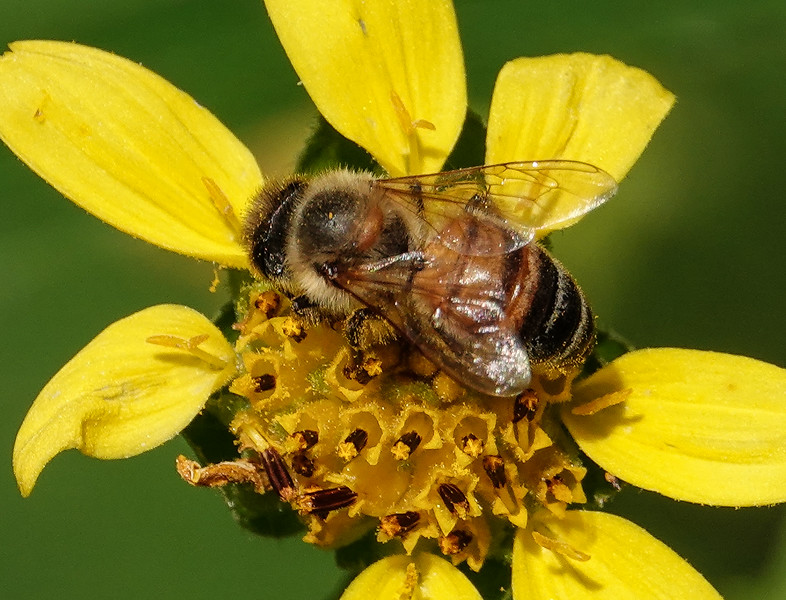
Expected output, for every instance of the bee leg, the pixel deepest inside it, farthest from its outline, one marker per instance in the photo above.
(301, 304)
(309, 312)
(365, 328)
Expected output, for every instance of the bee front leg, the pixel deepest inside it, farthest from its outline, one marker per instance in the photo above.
(308, 311)
(367, 334)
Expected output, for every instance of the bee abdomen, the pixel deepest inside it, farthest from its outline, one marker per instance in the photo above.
(558, 327)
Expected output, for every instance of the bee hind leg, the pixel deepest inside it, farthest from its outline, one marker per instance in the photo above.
(365, 328)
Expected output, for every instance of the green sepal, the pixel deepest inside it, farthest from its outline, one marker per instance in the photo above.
(493, 580)
(358, 555)
(327, 149)
(470, 148)
(609, 345)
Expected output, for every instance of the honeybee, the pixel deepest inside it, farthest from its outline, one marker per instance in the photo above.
(448, 259)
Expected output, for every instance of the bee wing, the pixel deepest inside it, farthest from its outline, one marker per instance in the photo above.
(484, 353)
(523, 196)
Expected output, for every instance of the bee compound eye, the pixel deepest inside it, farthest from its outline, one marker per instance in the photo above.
(328, 221)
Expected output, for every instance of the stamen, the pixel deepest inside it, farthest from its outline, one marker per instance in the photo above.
(471, 445)
(293, 329)
(399, 524)
(268, 303)
(454, 499)
(372, 365)
(357, 373)
(423, 124)
(410, 582)
(605, 401)
(525, 406)
(278, 474)
(406, 445)
(353, 444)
(216, 280)
(303, 465)
(264, 383)
(321, 502)
(190, 345)
(222, 204)
(559, 489)
(454, 542)
(306, 439)
(495, 469)
(559, 547)
(410, 126)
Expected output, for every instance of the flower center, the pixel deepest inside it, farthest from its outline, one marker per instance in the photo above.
(380, 438)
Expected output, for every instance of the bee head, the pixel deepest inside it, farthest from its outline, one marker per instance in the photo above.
(267, 225)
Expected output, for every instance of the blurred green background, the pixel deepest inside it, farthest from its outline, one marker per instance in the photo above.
(690, 253)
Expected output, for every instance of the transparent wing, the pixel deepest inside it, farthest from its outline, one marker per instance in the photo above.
(483, 352)
(523, 196)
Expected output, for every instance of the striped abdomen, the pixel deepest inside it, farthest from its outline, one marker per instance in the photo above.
(556, 323)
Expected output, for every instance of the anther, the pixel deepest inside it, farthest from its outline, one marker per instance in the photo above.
(525, 406)
(357, 373)
(399, 524)
(454, 499)
(190, 345)
(293, 329)
(454, 542)
(264, 383)
(353, 444)
(278, 474)
(267, 303)
(306, 438)
(471, 445)
(495, 469)
(222, 204)
(559, 489)
(303, 465)
(406, 445)
(322, 502)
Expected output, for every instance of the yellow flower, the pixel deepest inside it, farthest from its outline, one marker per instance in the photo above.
(143, 156)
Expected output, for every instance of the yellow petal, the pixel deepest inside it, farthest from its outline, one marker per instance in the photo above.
(121, 394)
(127, 146)
(617, 560)
(422, 577)
(582, 107)
(387, 75)
(697, 426)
